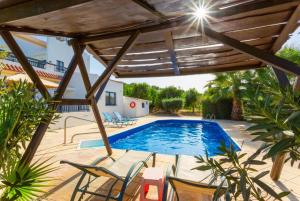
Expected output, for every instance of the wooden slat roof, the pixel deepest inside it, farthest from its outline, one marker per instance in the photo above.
(105, 26)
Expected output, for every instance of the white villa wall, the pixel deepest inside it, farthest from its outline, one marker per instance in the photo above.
(77, 90)
(138, 111)
(58, 49)
(112, 86)
(75, 87)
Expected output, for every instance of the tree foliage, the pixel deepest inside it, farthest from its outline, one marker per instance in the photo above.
(172, 104)
(276, 121)
(192, 98)
(3, 54)
(156, 94)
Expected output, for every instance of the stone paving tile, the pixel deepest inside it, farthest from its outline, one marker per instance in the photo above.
(67, 176)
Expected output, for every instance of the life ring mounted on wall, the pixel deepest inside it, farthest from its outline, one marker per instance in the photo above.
(132, 104)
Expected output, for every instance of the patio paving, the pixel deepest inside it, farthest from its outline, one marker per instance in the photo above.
(66, 177)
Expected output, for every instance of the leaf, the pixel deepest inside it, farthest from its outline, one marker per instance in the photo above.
(260, 127)
(6, 183)
(254, 162)
(267, 188)
(244, 188)
(261, 175)
(203, 167)
(279, 147)
(293, 116)
(283, 194)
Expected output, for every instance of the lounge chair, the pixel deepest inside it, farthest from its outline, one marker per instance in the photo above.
(122, 171)
(109, 119)
(119, 117)
(188, 184)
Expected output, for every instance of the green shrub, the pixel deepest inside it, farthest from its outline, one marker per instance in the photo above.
(172, 104)
(221, 109)
(20, 115)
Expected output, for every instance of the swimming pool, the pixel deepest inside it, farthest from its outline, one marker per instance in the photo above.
(188, 137)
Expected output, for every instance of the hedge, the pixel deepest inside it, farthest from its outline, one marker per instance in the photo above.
(172, 104)
(220, 109)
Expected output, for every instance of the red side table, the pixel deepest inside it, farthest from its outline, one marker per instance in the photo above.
(152, 177)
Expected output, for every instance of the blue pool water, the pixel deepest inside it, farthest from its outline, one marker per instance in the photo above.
(189, 137)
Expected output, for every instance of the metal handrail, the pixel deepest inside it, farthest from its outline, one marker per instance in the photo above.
(65, 127)
(210, 116)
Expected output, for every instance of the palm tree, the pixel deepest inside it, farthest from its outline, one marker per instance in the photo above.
(227, 85)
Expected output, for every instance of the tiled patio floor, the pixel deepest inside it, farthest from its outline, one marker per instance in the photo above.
(66, 177)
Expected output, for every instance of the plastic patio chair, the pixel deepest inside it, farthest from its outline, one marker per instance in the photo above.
(126, 119)
(186, 186)
(109, 119)
(123, 170)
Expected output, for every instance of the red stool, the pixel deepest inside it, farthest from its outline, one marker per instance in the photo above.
(152, 177)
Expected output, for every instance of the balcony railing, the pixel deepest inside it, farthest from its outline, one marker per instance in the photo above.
(37, 63)
(59, 68)
(34, 62)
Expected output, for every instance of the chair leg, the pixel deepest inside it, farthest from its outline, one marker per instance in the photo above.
(142, 191)
(85, 187)
(77, 186)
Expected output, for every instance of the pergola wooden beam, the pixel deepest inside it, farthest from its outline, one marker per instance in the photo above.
(186, 20)
(42, 128)
(256, 53)
(94, 53)
(252, 6)
(77, 50)
(16, 50)
(92, 50)
(171, 50)
(36, 31)
(180, 21)
(67, 77)
(150, 8)
(288, 28)
(110, 69)
(284, 35)
(100, 91)
(198, 70)
(35, 7)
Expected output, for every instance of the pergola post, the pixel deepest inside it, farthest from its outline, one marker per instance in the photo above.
(93, 103)
(42, 128)
(110, 69)
(16, 50)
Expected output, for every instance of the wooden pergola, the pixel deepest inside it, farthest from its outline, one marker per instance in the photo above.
(151, 38)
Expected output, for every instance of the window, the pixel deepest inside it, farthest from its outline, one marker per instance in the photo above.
(60, 66)
(110, 98)
(143, 105)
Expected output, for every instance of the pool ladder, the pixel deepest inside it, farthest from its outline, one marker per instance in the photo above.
(210, 116)
(65, 128)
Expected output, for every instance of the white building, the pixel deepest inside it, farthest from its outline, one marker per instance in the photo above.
(50, 59)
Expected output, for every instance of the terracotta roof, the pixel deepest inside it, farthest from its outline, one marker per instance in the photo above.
(42, 74)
